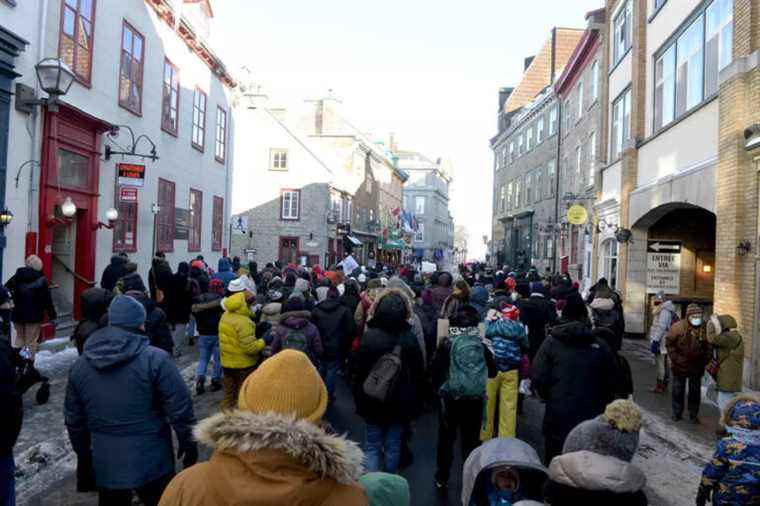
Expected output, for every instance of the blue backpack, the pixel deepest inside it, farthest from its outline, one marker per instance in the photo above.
(506, 337)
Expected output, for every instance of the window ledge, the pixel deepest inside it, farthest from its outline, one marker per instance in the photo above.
(198, 147)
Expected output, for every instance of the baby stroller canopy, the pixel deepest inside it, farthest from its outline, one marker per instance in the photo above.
(502, 452)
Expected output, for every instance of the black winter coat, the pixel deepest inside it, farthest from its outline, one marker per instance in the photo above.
(429, 319)
(403, 404)
(156, 327)
(113, 272)
(10, 399)
(573, 372)
(336, 326)
(207, 309)
(132, 282)
(536, 312)
(31, 296)
(179, 299)
(159, 277)
(95, 302)
(201, 277)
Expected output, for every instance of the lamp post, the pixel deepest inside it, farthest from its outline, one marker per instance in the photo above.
(55, 79)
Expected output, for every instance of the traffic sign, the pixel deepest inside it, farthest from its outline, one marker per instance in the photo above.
(664, 267)
(664, 247)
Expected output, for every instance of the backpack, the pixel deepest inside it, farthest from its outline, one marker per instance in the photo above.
(467, 369)
(295, 339)
(381, 381)
(505, 336)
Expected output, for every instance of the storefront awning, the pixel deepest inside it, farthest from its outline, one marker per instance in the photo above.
(353, 240)
(392, 244)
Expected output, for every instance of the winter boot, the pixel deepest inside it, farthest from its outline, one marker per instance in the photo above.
(659, 388)
(216, 385)
(200, 386)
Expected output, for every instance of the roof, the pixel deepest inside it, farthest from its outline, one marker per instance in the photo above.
(582, 54)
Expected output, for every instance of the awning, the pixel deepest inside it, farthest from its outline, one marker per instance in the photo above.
(353, 240)
(392, 244)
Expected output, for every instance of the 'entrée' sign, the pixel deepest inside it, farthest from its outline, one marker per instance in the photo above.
(664, 267)
(131, 174)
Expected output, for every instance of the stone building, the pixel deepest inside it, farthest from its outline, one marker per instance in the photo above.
(524, 221)
(579, 89)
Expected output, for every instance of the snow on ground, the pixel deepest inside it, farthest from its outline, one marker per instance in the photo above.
(50, 363)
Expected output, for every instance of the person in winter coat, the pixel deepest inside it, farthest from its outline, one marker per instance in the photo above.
(10, 423)
(425, 311)
(303, 290)
(271, 449)
(623, 380)
(607, 310)
(224, 272)
(239, 348)
(296, 332)
(442, 290)
(351, 297)
(728, 348)
(337, 328)
(479, 300)
(159, 277)
(663, 317)
(508, 341)
(122, 400)
(689, 352)
(272, 309)
(460, 379)
(732, 476)
(114, 271)
(572, 372)
(595, 466)
(156, 327)
(207, 310)
(459, 297)
(179, 302)
(367, 299)
(199, 274)
(537, 313)
(94, 303)
(387, 328)
(385, 489)
(415, 321)
(31, 302)
(131, 281)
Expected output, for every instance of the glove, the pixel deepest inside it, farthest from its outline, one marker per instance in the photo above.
(188, 454)
(655, 347)
(703, 495)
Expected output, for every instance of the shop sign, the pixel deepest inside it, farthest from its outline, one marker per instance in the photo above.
(664, 267)
(131, 174)
(577, 215)
(181, 224)
(128, 194)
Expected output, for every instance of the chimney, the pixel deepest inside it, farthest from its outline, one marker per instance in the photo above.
(504, 94)
(527, 61)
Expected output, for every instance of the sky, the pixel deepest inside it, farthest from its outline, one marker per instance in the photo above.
(427, 71)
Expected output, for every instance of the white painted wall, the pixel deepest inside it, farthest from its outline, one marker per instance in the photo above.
(611, 182)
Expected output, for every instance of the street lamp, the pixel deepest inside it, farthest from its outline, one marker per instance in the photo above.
(68, 208)
(112, 214)
(54, 77)
(6, 217)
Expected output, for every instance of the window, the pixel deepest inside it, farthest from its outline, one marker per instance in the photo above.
(594, 81)
(520, 147)
(165, 219)
(510, 190)
(198, 139)
(170, 102)
(549, 248)
(574, 246)
(622, 30)
(196, 220)
(529, 138)
(279, 161)
(553, 121)
(551, 173)
(578, 166)
(591, 158)
(664, 88)
(580, 99)
(125, 227)
(718, 41)
(131, 73)
(540, 130)
(419, 205)
(220, 151)
(291, 205)
(511, 151)
(610, 261)
(518, 202)
(539, 190)
(502, 198)
(689, 68)
(528, 189)
(75, 41)
(659, 3)
(567, 116)
(621, 122)
(217, 224)
(419, 235)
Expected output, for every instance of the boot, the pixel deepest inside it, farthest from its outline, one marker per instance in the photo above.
(659, 388)
(216, 385)
(200, 386)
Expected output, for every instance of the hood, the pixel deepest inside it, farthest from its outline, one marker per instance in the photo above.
(272, 309)
(395, 313)
(27, 274)
(245, 433)
(118, 260)
(236, 304)
(113, 346)
(330, 305)
(385, 489)
(95, 302)
(727, 322)
(295, 319)
(665, 306)
(479, 295)
(573, 333)
(590, 471)
(224, 265)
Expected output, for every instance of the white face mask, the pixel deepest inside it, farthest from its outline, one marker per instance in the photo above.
(695, 321)
(514, 296)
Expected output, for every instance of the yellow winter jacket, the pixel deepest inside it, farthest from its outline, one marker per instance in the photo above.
(237, 334)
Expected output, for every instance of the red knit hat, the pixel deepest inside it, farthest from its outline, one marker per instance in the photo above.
(511, 284)
(511, 312)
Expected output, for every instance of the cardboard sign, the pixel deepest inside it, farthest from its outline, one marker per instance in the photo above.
(131, 174)
(128, 194)
(664, 267)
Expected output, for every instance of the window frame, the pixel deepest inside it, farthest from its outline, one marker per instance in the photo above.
(417, 200)
(625, 11)
(273, 152)
(198, 92)
(86, 82)
(195, 231)
(168, 246)
(625, 132)
(126, 25)
(592, 159)
(594, 82)
(553, 120)
(220, 140)
(118, 240)
(580, 100)
(578, 168)
(217, 223)
(551, 177)
(540, 127)
(174, 73)
(529, 139)
(295, 191)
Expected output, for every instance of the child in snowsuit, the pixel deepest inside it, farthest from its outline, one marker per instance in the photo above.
(733, 474)
(509, 342)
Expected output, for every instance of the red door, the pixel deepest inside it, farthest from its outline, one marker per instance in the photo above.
(289, 250)
(70, 169)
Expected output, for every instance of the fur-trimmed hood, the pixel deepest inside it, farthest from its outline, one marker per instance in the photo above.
(243, 432)
(385, 293)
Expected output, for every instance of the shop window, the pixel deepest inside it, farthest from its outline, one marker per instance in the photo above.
(73, 170)
(610, 261)
(76, 35)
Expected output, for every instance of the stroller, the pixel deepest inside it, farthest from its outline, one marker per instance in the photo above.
(27, 376)
(518, 457)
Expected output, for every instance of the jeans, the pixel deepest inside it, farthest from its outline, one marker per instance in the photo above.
(329, 369)
(179, 334)
(149, 494)
(383, 440)
(694, 397)
(463, 416)
(208, 346)
(7, 481)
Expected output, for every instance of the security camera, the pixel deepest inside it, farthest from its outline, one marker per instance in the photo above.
(752, 135)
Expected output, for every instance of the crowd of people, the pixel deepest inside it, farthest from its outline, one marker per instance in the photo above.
(279, 340)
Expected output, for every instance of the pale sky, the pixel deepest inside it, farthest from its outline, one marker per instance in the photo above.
(429, 71)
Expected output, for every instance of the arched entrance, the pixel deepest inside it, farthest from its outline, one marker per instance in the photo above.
(672, 251)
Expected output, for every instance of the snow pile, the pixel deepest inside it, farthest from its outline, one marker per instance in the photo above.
(51, 363)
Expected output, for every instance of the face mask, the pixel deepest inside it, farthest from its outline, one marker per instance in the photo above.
(513, 296)
(695, 321)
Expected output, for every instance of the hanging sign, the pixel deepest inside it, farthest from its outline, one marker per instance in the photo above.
(240, 224)
(664, 267)
(131, 174)
(577, 215)
(128, 194)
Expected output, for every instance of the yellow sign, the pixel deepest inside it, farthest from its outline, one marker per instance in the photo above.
(577, 215)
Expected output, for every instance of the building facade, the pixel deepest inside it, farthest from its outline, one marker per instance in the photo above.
(144, 129)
